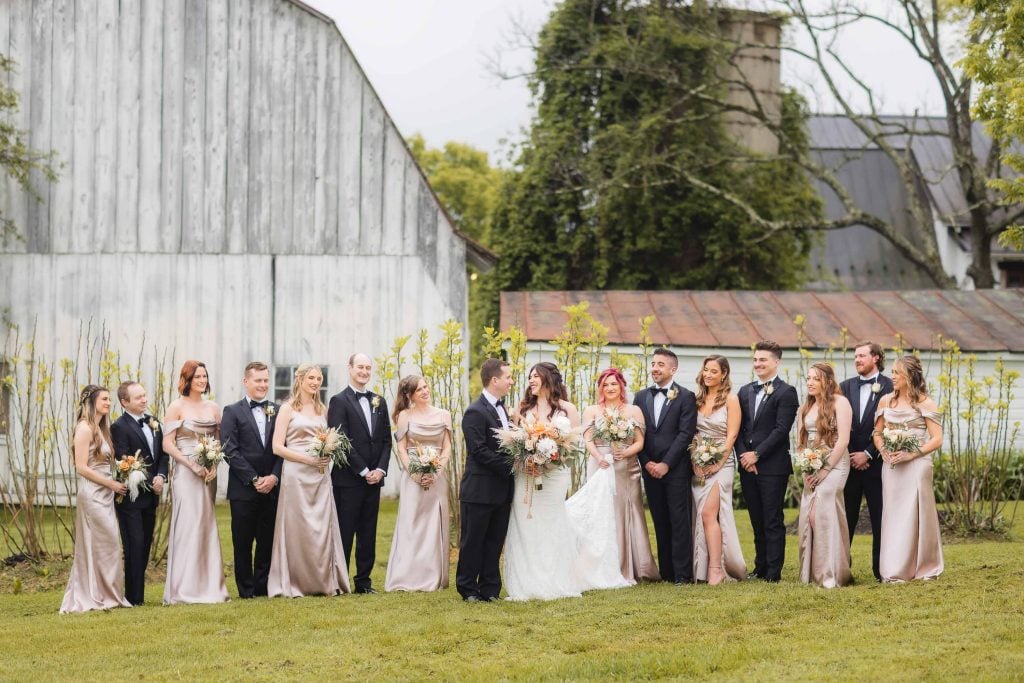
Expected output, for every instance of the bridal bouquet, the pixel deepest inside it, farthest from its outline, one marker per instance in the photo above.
(330, 444)
(131, 470)
(536, 447)
(706, 451)
(424, 460)
(614, 428)
(809, 459)
(209, 452)
(896, 436)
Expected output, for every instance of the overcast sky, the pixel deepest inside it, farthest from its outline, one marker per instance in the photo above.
(428, 59)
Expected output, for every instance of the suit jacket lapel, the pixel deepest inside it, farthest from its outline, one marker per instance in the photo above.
(137, 428)
(251, 419)
(649, 405)
(869, 408)
(664, 406)
(359, 411)
(764, 400)
(855, 402)
(752, 389)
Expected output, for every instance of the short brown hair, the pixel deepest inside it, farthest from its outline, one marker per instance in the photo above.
(875, 350)
(491, 369)
(769, 346)
(122, 390)
(188, 373)
(255, 366)
(662, 351)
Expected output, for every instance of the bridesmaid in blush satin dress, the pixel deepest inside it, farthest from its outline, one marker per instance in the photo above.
(195, 570)
(911, 539)
(636, 561)
(419, 548)
(824, 537)
(97, 574)
(308, 558)
(717, 555)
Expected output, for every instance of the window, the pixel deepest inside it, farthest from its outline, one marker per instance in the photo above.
(1013, 274)
(5, 399)
(283, 376)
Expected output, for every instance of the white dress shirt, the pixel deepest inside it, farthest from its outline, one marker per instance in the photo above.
(865, 393)
(761, 395)
(659, 401)
(502, 415)
(260, 416)
(364, 403)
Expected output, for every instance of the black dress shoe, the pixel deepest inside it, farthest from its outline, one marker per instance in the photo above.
(474, 598)
(366, 591)
(493, 598)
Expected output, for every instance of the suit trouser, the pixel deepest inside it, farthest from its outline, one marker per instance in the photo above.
(481, 539)
(358, 507)
(136, 526)
(252, 521)
(670, 500)
(765, 495)
(860, 484)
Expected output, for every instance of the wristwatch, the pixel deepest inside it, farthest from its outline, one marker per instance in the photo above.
(254, 480)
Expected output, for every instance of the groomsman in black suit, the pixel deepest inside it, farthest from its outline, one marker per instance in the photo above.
(247, 434)
(487, 488)
(769, 407)
(363, 417)
(670, 414)
(137, 430)
(865, 480)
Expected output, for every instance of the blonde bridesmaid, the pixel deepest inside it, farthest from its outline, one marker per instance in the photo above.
(97, 573)
(717, 555)
(824, 538)
(911, 540)
(195, 570)
(307, 558)
(419, 547)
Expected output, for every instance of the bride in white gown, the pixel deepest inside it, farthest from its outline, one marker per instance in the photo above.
(547, 556)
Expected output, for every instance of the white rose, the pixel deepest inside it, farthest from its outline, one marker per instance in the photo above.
(562, 424)
(546, 447)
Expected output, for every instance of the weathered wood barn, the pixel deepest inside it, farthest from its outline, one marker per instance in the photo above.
(230, 185)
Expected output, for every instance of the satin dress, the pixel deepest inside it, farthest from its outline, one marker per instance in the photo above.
(97, 573)
(734, 566)
(911, 545)
(195, 569)
(419, 548)
(307, 558)
(825, 545)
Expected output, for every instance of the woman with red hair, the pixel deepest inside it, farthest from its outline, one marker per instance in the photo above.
(618, 451)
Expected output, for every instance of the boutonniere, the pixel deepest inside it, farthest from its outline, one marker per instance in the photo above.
(671, 394)
(375, 402)
(154, 424)
(269, 410)
(769, 389)
(875, 388)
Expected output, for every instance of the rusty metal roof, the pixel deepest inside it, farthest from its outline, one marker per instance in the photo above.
(982, 320)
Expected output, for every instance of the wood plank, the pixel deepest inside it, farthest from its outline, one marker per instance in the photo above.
(129, 67)
(151, 128)
(19, 48)
(173, 123)
(37, 222)
(83, 168)
(238, 133)
(108, 122)
(62, 113)
(193, 141)
(260, 158)
(308, 228)
(394, 191)
(371, 206)
(350, 114)
(329, 137)
(215, 187)
(282, 128)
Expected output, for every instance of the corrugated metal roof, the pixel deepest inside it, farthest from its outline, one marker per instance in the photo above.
(982, 320)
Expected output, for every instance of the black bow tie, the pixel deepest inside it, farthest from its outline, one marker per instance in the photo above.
(500, 403)
(362, 394)
(863, 381)
(142, 421)
(262, 405)
(660, 390)
(762, 385)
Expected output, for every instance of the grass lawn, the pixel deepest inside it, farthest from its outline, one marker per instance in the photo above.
(969, 623)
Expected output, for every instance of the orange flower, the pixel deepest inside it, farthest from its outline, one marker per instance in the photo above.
(123, 466)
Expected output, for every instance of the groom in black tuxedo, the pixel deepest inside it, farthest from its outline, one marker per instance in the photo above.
(865, 480)
(247, 432)
(768, 409)
(486, 490)
(670, 414)
(136, 430)
(363, 417)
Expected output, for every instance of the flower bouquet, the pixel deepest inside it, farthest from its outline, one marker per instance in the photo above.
(612, 427)
(131, 471)
(810, 459)
(535, 447)
(424, 460)
(706, 451)
(897, 436)
(209, 453)
(330, 444)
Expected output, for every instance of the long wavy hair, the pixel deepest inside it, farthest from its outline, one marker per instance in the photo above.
(826, 425)
(550, 381)
(87, 413)
(296, 398)
(610, 372)
(406, 388)
(913, 371)
(722, 394)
